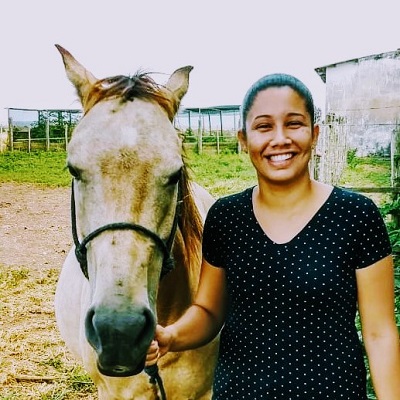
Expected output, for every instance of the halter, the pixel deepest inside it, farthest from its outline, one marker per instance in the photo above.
(165, 247)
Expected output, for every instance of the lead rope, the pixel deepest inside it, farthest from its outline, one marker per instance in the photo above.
(155, 379)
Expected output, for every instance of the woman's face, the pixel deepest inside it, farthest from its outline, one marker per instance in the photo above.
(279, 136)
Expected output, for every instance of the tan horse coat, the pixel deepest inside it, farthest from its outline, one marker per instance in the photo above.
(127, 162)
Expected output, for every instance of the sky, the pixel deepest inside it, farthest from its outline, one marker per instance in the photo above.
(230, 43)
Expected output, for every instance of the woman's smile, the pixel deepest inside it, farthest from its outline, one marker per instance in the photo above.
(278, 158)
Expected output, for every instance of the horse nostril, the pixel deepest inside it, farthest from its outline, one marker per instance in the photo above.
(90, 330)
(149, 325)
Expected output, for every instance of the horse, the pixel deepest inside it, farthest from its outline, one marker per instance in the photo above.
(134, 209)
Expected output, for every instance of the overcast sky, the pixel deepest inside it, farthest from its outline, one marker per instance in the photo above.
(230, 43)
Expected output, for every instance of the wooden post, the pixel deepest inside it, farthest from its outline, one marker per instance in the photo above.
(10, 132)
(236, 128)
(395, 172)
(199, 136)
(3, 143)
(66, 136)
(190, 123)
(209, 124)
(219, 134)
(47, 135)
(29, 139)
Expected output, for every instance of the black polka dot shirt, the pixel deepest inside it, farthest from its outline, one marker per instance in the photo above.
(290, 331)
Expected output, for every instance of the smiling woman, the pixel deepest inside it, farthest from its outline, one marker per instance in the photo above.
(285, 265)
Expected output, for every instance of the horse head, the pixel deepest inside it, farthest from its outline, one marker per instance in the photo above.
(125, 157)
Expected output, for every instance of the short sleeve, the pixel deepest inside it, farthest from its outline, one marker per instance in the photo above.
(373, 241)
(212, 244)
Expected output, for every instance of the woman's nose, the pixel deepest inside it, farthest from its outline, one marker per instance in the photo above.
(280, 137)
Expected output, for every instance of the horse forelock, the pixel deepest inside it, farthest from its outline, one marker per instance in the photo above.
(127, 88)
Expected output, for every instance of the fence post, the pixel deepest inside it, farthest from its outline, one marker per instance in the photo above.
(10, 134)
(395, 172)
(66, 136)
(47, 135)
(199, 136)
(29, 139)
(219, 134)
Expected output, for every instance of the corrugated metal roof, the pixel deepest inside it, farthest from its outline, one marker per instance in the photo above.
(321, 71)
(210, 110)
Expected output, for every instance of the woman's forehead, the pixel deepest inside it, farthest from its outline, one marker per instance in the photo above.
(274, 99)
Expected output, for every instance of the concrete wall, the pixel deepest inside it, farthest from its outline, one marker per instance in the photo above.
(366, 91)
(3, 139)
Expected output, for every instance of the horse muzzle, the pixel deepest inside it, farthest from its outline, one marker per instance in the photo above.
(120, 338)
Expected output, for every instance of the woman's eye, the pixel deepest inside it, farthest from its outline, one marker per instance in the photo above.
(295, 124)
(264, 127)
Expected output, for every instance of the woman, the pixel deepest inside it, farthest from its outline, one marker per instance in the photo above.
(285, 265)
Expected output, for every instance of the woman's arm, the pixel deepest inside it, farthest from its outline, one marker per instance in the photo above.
(375, 285)
(201, 322)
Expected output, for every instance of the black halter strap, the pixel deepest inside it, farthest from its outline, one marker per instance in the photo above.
(165, 247)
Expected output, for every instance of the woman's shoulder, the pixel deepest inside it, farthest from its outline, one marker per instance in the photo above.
(354, 202)
(229, 203)
(348, 195)
(235, 198)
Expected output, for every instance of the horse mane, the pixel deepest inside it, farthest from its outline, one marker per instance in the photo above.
(127, 88)
(190, 223)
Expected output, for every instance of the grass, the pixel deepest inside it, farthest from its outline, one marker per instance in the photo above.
(367, 171)
(42, 168)
(224, 174)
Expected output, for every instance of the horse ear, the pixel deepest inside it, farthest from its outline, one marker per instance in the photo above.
(178, 82)
(81, 78)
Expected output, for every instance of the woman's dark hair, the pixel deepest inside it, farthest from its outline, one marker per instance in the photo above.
(276, 80)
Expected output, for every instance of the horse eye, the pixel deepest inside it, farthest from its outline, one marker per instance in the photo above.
(174, 178)
(73, 171)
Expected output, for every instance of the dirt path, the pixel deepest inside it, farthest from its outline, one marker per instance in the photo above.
(34, 239)
(34, 226)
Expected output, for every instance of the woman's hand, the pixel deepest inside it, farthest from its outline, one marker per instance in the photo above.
(159, 346)
(153, 354)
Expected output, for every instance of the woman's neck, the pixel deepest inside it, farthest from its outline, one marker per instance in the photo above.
(283, 212)
(286, 196)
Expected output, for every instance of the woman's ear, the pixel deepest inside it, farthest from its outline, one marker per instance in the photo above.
(242, 140)
(315, 135)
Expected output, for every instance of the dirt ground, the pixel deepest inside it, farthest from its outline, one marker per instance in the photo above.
(34, 240)
(34, 226)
